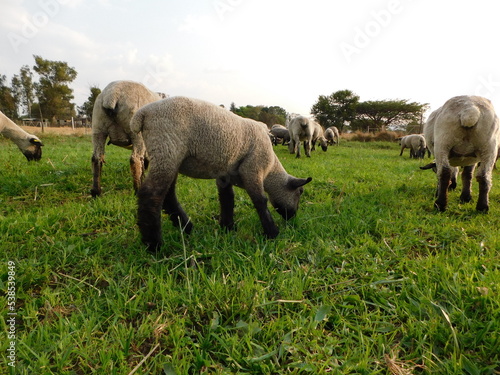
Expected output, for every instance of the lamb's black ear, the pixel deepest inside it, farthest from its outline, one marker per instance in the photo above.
(294, 183)
(35, 141)
(429, 166)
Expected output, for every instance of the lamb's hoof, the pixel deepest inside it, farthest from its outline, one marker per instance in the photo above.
(482, 208)
(95, 193)
(153, 247)
(440, 207)
(465, 198)
(272, 234)
(229, 227)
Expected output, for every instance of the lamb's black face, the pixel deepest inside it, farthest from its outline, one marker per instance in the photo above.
(287, 202)
(34, 151)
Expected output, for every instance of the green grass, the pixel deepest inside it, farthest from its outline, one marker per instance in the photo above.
(367, 279)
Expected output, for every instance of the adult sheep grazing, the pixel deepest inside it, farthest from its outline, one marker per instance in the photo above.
(280, 132)
(202, 140)
(301, 130)
(113, 109)
(332, 135)
(416, 143)
(30, 145)
(462, 133)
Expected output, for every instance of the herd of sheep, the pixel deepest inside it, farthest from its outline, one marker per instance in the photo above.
(202, 140)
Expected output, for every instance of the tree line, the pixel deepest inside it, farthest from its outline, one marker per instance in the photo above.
(50, 98)
(344, 110)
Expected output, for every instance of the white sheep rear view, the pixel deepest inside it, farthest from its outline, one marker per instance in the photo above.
(30, 145)
(113, 109)
(301, 130)
(462, 133)
(203, 140)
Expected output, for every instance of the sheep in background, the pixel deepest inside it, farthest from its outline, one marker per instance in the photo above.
(318, 136)
(30, 145)
(332, 135)
(280, 132)
(202, 140)
(462, 133)
(113, 109)
(301, 129)
(416, 143)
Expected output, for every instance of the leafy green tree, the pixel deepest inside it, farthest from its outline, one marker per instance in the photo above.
(384, 114)
(87, 107)
(268, 115)
(8, 104)
(52, 90)
(336, 109)
(23, 86)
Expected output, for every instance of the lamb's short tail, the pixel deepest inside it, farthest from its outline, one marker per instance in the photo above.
(137, 122)
(469, 116)
(110, 105)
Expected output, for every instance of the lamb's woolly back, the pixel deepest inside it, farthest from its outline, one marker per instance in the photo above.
(198, 128)
(130, 94)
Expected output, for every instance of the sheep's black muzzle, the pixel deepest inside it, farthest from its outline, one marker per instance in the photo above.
(286, 214)
(34, 155)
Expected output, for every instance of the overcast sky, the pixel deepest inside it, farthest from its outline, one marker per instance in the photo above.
(264, 52)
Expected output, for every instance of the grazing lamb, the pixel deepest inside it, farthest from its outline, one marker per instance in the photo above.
(318, 136)
(113, 109)
(332, 135)
(462, 133)
(301, 129)
(29, 144)
(416, 143)
(280, 132)
(202, 140)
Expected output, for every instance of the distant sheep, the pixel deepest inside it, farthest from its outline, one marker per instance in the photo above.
(113, 109)
(30, 145)
(280, 132)
(416, 143)
(202, 140)
(318, 136)
(301, 130)
(462, 133)
(332, 135)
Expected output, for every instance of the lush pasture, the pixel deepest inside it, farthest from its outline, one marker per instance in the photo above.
(367, 279)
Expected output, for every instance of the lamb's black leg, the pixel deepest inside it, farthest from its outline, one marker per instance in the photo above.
(466, 196)
(442, 191)
(150, 200)
(260, 203)
(484, 190)
(226, 200)
(176, 213)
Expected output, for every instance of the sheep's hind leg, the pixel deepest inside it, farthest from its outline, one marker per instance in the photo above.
(442, 191)
(483, 177)
(176, 213)
(226, 200)
(466, 196)
(150, 201)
